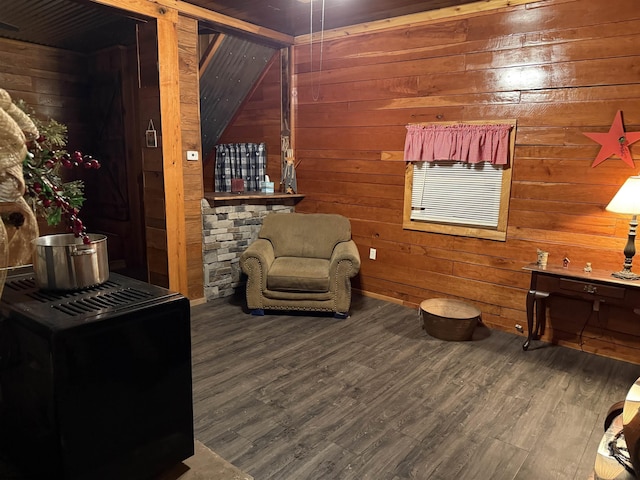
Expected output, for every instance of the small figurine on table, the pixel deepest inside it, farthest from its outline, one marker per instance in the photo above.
(587, 267)
(565, 262)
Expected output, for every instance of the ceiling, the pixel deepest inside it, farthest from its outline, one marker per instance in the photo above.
(83, 26)
(293, 17)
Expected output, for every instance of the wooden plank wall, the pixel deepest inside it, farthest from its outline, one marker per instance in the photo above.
(188, 238)
(152, 164)
(560, 67)
(158, 252)
(113, 192)
(56, 83)
(257, 121)
(52, 81)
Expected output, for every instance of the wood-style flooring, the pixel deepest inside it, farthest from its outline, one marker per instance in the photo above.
(303, 397)
(310, 397)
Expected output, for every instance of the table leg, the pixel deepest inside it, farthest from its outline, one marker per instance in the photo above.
(535, 301)
(531, 300)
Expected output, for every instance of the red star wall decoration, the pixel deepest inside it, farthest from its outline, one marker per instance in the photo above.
(616, 142)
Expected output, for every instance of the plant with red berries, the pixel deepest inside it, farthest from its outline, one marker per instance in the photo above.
(46, 192)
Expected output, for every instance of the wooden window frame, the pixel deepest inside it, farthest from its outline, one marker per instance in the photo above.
(498, 233)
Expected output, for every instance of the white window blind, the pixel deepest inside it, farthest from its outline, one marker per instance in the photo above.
(457, 193)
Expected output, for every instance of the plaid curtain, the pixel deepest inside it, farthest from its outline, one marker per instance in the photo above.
(240, 160)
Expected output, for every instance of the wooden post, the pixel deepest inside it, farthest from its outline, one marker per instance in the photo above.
(172, 151)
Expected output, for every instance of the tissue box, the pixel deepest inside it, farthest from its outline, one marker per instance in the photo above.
(268, 187)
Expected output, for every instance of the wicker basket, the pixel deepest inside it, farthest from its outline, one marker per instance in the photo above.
(449, 319)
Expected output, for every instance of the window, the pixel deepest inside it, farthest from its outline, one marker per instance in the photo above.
(454, 195)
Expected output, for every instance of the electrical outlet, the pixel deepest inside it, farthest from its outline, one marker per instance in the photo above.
(192, 155)
(372, 253)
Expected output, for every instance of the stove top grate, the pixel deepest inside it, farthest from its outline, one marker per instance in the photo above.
(99, 302)
(106, 296)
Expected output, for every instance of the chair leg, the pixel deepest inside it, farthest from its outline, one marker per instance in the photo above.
(258, 312)
(340, 315)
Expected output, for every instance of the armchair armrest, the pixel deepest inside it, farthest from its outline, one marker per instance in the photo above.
(261, 248)
(262, 251)
(346, 252)
(344, 264)
(255, 262)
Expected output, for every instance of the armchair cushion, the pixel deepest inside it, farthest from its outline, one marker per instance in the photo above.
(296, 274)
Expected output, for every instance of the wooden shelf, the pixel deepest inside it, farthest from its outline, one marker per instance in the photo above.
(219, 198)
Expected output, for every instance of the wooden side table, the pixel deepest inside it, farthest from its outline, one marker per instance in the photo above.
(597, 286)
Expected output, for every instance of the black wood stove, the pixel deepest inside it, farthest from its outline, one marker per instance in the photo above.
(95, 384)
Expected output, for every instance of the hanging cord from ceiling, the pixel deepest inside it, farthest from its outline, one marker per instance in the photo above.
(315, 90)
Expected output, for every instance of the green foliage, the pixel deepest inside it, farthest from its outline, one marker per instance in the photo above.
(47, 193)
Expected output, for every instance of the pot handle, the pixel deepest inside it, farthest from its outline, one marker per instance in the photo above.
(82, 251)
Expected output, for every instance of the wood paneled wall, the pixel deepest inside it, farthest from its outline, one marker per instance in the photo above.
(173, 186)
(257, 121)
(56, 84)
(152, 164)
(114, 193)
(52, 81)
(560, 68)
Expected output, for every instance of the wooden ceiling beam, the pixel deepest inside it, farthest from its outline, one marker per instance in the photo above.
(227, 22)
(210, 52)
(159, 8)
(411, 19)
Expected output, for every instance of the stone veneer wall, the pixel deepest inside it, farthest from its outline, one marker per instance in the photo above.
(227, 230)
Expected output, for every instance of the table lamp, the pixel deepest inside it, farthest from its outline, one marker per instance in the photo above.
(627, 201)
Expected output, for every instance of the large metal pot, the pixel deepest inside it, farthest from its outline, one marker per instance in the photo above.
(64, 262)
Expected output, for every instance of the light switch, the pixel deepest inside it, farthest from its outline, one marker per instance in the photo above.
(192, 155)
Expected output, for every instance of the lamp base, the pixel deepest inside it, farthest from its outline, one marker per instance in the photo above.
(626, 275)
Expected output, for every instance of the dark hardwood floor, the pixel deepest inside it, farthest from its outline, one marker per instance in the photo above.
(310, 397)
(302, 397)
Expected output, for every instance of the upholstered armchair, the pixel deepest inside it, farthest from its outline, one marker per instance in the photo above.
(301, 262)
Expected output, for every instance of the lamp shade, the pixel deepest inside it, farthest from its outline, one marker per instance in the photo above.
(627, 200)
